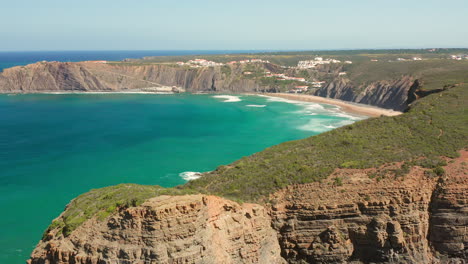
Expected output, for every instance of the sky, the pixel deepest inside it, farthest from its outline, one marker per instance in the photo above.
(27, 25)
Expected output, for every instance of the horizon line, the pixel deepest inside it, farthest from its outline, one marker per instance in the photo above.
(259, 50)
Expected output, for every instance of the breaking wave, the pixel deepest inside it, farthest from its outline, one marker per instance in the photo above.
(190, 175)
(228, 98)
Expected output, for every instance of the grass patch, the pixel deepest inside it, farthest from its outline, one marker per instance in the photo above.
(105, 201)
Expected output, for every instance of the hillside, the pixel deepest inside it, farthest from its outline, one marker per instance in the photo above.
(434, 126)
(399, 178)
(373, 78)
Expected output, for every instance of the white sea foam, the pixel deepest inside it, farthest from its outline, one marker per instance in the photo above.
(190, 175)
(319, 125)
(323, 125)
(279, 99)
(341, 114)
(307, 107)
(228, 98)
(256, 105)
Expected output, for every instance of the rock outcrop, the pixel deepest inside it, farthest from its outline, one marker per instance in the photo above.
(170, 229)
(354, 216)
(386, 94)
(415, 219)
(88, 76)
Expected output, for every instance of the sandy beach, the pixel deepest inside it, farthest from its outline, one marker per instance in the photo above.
(355, 108)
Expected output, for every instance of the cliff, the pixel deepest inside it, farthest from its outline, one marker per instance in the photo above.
(415, 219)
(88, 76)
(170, 229)
(386, 94)
(418, 218)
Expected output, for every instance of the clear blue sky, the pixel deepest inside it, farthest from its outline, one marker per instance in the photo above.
(234, 24)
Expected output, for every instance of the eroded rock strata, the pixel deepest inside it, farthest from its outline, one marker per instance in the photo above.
(351, 217)
(170, 229)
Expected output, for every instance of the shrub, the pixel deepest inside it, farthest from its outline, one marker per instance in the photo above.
(439, 171)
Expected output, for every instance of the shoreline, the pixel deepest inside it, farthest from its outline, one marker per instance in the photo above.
(350, 107)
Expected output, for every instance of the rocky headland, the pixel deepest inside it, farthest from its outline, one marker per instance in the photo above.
(417, 218)
(93, 77)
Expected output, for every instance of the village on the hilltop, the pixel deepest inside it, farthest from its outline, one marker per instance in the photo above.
(301, 65)
(308, 64)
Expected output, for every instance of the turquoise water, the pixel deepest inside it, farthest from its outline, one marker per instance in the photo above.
(55, 147)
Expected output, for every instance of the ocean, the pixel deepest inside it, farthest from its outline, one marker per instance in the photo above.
(54, 147)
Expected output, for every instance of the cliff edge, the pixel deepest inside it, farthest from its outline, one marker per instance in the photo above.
(417, 218)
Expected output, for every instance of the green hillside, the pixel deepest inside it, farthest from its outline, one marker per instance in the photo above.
(436, 125)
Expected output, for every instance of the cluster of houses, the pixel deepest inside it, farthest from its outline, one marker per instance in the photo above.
(196, 63)
(305, 88)
(308, 64)
(248, 61)
(459, 57)
(299, 89)
(282, 76)
(199, 63)
(96, 61)
(414, 58)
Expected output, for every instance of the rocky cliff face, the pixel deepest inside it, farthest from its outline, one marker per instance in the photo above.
(87, 76)
(351, 217)
(183, 229)
(385, 94)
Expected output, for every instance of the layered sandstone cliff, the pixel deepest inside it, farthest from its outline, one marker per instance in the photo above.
(165, 229)
(88, 76)
(354, 216)
(386, 94)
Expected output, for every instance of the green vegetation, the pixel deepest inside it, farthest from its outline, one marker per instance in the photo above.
(282, 84)
(338, 181)
(102, 202)
(436, 125)
(434, 73)
(226, 70)
(439, 171)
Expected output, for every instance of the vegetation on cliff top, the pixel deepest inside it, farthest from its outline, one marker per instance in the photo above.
(104, 201)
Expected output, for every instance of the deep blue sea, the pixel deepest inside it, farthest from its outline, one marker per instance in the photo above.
(54, 147)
